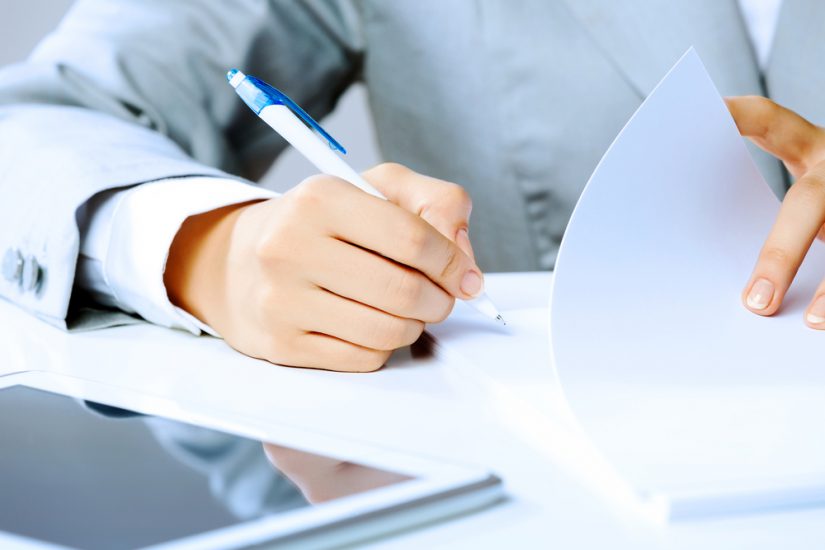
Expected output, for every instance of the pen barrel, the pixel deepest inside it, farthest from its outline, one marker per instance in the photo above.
(282, 120)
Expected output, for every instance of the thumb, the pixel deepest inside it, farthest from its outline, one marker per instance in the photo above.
(445, 206)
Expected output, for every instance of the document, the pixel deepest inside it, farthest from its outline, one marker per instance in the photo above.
(519, 344)
(690, 397)
(508, 370)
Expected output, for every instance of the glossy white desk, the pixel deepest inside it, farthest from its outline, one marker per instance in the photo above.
(509, 417)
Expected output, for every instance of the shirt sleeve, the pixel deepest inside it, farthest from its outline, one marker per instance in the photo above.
(125, 238)
(126, 92)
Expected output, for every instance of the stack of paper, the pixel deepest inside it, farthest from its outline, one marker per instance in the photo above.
(690, 396)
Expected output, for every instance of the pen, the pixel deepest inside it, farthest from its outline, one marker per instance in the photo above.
(296, 126)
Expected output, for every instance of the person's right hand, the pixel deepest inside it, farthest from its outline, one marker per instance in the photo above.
(327, 276)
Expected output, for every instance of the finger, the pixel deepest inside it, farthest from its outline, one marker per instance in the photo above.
(321, 351)
(376, 281)
(357, 323)
(800, 218)
(779, 131)
(391, 231)
(815, 314)
(444, 205)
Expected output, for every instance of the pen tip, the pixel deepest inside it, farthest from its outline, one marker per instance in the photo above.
(501, 320)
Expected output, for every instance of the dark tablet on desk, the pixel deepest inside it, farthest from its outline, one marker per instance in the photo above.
(89, 466)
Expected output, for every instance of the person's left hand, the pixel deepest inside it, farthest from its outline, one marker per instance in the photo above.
(800, 145)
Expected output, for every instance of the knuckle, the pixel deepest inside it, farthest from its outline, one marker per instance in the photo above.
(279, 350)
(776, 256)
(414, 330)
(458, 195)
(761, 102)
(277, 239)
(388, 333)
(267, 295)
(273, 247)
(452, 201)
(444, 310)
(389, 170)
(407, 291)
(315, 192)
(271, 305)
(810, 188)
(374, 360)
(311, 191)
(452, 262)
(763, 105)
(765, 111)
(266, 248)
(415, 241)
(364, 360)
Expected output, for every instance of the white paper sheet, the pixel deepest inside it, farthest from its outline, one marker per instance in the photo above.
(507, 352)
(508, 365)
(688, 394)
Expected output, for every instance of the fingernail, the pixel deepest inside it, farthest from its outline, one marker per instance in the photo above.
(462, 239)
(471, 283)
(816, 314)
(761, 294)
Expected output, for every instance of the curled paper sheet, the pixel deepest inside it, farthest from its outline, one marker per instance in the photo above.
(689, 395)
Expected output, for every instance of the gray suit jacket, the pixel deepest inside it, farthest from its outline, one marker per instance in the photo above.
(516, 101)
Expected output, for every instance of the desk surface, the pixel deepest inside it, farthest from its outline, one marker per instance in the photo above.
(508, 417)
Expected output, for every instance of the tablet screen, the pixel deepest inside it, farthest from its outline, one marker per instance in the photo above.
(89, 476)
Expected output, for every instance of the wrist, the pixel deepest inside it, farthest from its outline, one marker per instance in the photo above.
(195, 274)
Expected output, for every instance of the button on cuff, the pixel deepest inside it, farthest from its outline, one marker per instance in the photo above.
(12, 265)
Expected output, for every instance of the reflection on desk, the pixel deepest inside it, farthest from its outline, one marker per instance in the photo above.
(108, 478)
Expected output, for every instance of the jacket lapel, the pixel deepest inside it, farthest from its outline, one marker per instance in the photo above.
(644, 38)
(795, 75)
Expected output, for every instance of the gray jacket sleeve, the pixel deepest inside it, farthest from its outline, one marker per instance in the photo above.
(130, 91)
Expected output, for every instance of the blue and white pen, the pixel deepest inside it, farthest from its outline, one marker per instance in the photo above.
(296, 126)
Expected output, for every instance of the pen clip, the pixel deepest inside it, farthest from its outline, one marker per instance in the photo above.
(278, 96)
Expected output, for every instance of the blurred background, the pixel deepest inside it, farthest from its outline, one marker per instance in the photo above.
(24, 24)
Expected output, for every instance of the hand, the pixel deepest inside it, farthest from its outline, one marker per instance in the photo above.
(327, 276)
(801, 147)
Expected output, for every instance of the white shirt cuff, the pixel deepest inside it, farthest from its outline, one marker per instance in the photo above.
(126, 237)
